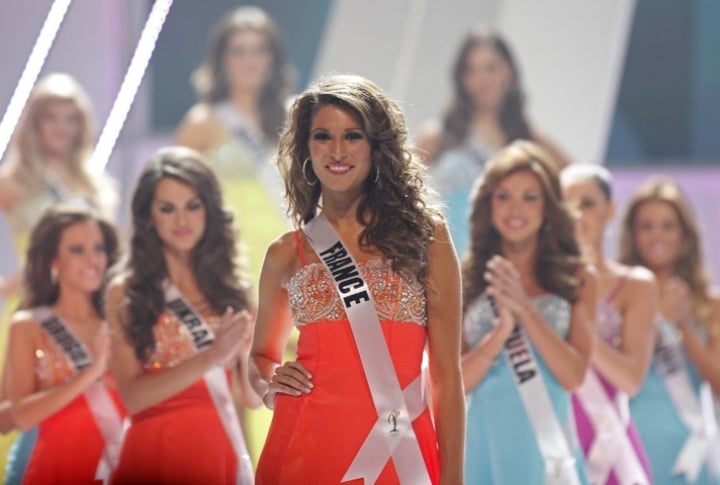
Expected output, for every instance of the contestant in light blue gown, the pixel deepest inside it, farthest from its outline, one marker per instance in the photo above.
(486, 112)
(523, 269)
(500, 441)
(659, 232)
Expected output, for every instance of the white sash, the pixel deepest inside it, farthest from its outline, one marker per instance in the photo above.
(392, 436)
(101, 405)
(557, 454)
(695, 411)
(215, 379)
(611, 450)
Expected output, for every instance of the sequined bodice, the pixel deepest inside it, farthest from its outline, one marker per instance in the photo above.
(173, 344)
(609, 324)
(313, 297)
(53, 366)
(479, 318)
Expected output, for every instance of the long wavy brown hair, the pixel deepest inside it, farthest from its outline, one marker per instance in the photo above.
(689, 264)
(210, 80)
(38, 286)
(458, 116)
(558, 254)
(213, 259)
(396, 210)
(26, 159)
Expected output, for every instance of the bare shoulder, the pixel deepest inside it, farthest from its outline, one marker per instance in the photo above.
(24, 324)
(200, 129)
(714, 296)
(641, 277)
(281, 257)
(427, 142)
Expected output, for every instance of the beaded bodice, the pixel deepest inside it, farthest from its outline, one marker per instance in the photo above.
(480, 318)
(313, 297)
(173, 343)
(53, 366)
(609, 324)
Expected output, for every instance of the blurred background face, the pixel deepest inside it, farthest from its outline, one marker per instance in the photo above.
(59, 125)
(657, 234)
(248, 60)
(81, 258)
(590, 209)
(487, 78)
(178, 215)
(518, 207)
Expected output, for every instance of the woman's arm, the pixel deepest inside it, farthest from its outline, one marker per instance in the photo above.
(568, 360)
(444, 314)
(706, 356)
(626, 367)
(139, 390)
(249, 397)
(29, 404)
(7, 423)
(267, 374)
(477, 361)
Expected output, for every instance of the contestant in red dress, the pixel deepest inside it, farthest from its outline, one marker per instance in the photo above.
(344, 161)
(179, 315)
(59, 347)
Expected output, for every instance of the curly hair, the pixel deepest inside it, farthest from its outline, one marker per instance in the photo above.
(458, 116)
(402, 216)
(38, 286)
(689, 264)
(213, 258)
(558, 254)
(210, 79)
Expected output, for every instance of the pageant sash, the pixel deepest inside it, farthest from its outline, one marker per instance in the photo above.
(101, 405)
(695, 410)
(392, 437)
(611, 449)
(560, 466)
(215, 379)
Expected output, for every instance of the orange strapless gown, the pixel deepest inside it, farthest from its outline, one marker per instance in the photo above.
(69, 443)
(180, 441)
(314, 438)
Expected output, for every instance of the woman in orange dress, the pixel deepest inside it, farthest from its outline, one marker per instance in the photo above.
(179, 318)
(59, 347)
(346, 167)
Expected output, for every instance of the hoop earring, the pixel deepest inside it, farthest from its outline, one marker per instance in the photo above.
(377, 174)
(307, 180)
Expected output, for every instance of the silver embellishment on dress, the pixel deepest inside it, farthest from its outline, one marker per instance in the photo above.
(312, 296)
(479, 318)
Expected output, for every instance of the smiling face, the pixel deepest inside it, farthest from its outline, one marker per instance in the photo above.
(517, 207)
(247, 61)
(81, 258)
(658, 234)
(59, 125)
(339, 150)
(178, 215)
(487, 77)
(590, 207)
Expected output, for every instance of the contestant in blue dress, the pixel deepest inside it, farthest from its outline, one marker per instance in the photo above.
(674, 409)
(486, 113)
(529, 303)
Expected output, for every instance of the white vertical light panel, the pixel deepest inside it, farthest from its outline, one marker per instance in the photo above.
(571, 55)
